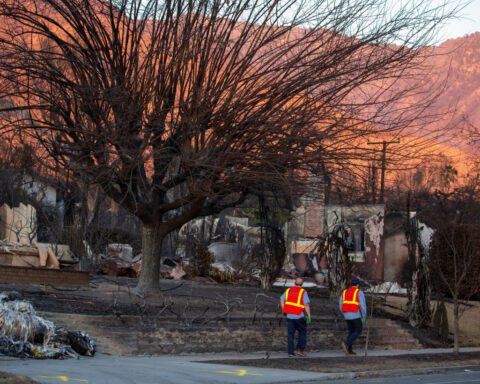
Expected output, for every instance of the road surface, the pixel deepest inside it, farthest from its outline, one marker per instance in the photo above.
(106, 369)
(467, 377)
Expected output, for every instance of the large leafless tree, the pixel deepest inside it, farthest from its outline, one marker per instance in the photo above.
(180, 108)
(455, 250)
(456, 263)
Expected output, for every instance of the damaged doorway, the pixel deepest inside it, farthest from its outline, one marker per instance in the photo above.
(354, 238)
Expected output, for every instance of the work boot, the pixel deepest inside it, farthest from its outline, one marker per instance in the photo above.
(345, 348)
(351, 353)
(300, 353)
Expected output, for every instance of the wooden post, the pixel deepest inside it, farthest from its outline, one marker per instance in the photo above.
(368, 329)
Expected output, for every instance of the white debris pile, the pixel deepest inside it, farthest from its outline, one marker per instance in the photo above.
(291, 282)
(389, 288)
(26, 335)
(18, 320)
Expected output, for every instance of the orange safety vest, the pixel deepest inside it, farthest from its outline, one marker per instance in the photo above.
(294, 301)
(350, 302)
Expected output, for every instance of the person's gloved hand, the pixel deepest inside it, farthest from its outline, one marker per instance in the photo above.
(364, 320)
(309, 319)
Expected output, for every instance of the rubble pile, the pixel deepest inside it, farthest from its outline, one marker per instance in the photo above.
(24, 349)
(119, 261)
(79, 341)
(25, 334)
(27, 255)
(18, 320)
(388, 287)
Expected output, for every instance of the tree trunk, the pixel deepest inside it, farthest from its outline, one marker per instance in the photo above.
(339, 264)
(456, 327)
(419, 313)
(152, 238)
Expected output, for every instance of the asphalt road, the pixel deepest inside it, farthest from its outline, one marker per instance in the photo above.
(467, 377)
(147, 370)
(181, 370)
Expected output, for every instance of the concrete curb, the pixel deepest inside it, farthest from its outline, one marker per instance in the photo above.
(386, 373)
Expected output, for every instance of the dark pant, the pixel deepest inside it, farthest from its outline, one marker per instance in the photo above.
(355, 327)
(299, 325)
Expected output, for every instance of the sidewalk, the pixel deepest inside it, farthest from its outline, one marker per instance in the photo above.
(378, 363)
(322, 354)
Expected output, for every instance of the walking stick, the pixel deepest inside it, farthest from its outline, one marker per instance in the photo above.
(368, 331)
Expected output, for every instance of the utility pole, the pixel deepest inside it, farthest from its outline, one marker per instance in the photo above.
(372, 182)
(384, 164)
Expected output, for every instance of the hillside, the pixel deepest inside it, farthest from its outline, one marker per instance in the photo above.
(461, 57)
(457, 61)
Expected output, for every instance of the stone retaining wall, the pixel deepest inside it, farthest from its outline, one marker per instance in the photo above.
(134, 335)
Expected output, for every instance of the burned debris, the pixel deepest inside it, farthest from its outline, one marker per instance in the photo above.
(25, 334)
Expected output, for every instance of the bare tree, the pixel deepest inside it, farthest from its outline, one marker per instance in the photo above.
(273, 251)
(448, 262)
(179, 109)
(339, 264)
(455, 258)
(455, 251)
(419, 282)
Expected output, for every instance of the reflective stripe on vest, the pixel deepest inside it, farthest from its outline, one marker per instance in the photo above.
(297, 306)
(350, 302)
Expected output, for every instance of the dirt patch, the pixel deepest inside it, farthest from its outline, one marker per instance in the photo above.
(360, 364)
(9, 378)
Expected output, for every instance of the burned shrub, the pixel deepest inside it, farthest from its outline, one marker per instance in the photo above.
(202, 259)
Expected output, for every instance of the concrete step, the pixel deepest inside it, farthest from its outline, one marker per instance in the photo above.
(389, 331)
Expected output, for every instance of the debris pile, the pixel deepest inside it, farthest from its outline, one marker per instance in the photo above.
(388, 288)
(79, 341)
(27, 255)
(119, 261)
(282, 282)
(25, 334)
(24, 349)
(18, 320)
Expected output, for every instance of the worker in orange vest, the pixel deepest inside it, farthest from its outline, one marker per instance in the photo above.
(354, 309)
(295, 303)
